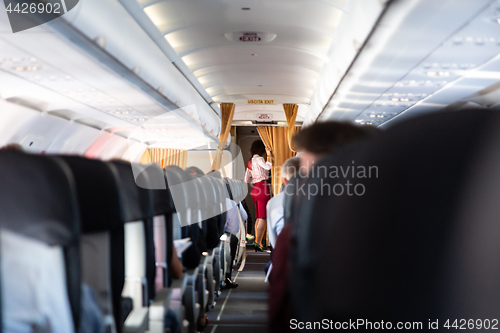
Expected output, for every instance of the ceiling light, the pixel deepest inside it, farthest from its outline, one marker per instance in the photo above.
(498, 21)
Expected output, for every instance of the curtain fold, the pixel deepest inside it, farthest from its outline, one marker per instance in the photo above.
(276, 138)
(227, 113)
(165, 156)
(291, 111)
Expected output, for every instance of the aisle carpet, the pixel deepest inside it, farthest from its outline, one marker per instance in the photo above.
(243, 309)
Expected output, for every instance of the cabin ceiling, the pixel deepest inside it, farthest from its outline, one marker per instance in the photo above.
(286, 69)
(425, 56)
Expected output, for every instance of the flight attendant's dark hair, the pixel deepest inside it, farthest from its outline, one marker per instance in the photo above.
(258, 148)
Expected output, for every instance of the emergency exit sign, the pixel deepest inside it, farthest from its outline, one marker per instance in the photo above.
(261, 101)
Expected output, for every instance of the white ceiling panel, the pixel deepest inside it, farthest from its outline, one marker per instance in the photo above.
(287, 69)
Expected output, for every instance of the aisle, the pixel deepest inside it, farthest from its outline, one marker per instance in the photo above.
(243, 309)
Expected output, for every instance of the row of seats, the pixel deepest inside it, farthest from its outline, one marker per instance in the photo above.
(420, 243)
(114, 224)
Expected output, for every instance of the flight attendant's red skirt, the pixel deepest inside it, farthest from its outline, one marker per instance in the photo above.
(261, 194)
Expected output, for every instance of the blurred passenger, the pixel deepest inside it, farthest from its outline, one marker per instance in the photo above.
(257, 174)
(321, 138)
(315, 142)
(275, 206)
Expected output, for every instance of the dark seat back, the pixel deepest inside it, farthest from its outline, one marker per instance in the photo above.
(402, 248)
(101, 213)
(152, 177)
(139, 206)
(37, 198)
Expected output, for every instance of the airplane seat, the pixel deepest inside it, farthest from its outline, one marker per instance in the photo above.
(219, 219)
(237, 185)
(209, 211)
(138, 205)
(222, 208)
(233, 184)
(153, 178)
(102, 234)
(182, 185)
(199, 207)
(226, 254)
(227, 248)
(39, 239)
(176, 177)
(211, 231)
(204, 269)
(183, 191)
(418, 236)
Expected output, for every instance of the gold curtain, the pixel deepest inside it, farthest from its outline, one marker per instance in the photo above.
(146, 157)
(227, 113)
(165, 156)
(276, 138)
(291, 111)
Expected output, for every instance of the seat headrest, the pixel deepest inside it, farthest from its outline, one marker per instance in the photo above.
(175, 181)
(151, 177)
(37, 198)
(137, 201)
(209, 196)
(98, 194)
(402, 245)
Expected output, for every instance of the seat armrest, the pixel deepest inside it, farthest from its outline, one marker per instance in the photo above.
(137, 321)
(180, 283)
(158, 310)
(160, 304)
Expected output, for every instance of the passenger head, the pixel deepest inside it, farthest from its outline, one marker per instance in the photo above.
(194, 171)
(290, 168)
(321, 138)
(258, 148)
(13, 147)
